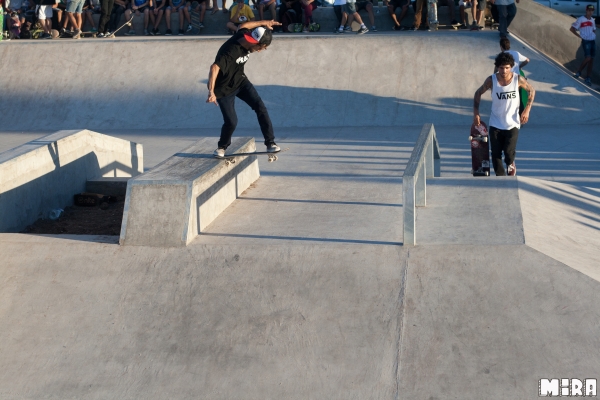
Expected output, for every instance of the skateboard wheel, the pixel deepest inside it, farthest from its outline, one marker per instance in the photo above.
(485, 139)
(487, 173)
(233, 161)
(470, 137)
(275, 158)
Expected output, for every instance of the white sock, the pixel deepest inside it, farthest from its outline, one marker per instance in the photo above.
(341, 28)
(363, 26)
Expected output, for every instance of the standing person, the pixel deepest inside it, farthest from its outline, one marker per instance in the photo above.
(587, 33)
(507, 9)
(44, 13)
(74, 10)
(504, 119)
(226, 81)
(354, 15)
(106, 8)
(118, 9)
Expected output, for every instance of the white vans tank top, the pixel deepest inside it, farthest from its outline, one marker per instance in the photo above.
(505, 104)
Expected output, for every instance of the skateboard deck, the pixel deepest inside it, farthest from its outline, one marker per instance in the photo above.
(127, 23)
(432, 15)
(524, 96)
(480, 150)
(314, 27)
(88, 34)
(230, 158)
(195, 19)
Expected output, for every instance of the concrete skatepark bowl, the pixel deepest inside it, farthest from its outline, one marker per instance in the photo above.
(302, 288)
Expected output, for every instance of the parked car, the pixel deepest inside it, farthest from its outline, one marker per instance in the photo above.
(575, 8)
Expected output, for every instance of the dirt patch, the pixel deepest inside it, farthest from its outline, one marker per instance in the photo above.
(83, 221)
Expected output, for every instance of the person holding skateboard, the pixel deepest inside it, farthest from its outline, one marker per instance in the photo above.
(505, 121)
(226, 81)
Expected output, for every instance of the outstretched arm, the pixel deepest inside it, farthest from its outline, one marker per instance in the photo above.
(530, 96)
(212, 78)
(256, 24)
(477, 99)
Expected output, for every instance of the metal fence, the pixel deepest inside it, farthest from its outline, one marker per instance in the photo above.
(424, 163)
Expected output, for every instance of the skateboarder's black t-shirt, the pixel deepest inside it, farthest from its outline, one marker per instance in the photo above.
(231, 58)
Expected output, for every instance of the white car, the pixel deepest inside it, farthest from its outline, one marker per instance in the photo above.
(576, 8)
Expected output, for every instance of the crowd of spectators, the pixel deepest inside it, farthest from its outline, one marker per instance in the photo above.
(68, 18)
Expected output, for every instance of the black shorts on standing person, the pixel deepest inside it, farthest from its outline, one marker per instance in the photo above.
(227, 80)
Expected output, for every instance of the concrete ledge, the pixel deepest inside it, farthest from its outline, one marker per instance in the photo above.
(171, 204)
(44, 174)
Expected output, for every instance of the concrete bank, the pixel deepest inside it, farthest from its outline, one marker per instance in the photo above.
(388, 80)
(548, 31)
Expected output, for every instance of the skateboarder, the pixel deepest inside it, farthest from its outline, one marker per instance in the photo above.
(520, 59)
(226, 81)
(504, 118)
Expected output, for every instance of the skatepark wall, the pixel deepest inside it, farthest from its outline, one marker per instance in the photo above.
(308, 81)
(548, 31)
(44, 174)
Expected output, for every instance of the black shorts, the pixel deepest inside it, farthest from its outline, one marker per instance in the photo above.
(141, 10)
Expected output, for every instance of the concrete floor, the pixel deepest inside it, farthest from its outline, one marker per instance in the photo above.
(301, 288)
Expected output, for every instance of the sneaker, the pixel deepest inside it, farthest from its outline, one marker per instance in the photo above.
(398, 28)
(189, 28)
(412, 28)
(362, 30)
(46, 36)
(481, 27)
(577, 74)
(156, 32)
(108, 34)
(100, 35)
(219, 153)
(305, 30)
(94, 30)
(339, 31)
(272, 148)
(463, 26)
(373, 29)
(130, 33)
(347, 29)
(201, 25)
(512, 169)
(454, 23)
(588, 81)
(77, 34)
(168, 33)
(146, 33)
(180, 32)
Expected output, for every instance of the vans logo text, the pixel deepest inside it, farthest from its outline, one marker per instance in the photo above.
(507, 95)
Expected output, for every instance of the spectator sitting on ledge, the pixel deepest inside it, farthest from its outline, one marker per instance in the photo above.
(239, 14)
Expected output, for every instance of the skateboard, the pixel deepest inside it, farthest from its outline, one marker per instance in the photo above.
(314, 27)
(127, 23)
(295, 28)
(230, 158)
(524, 96)
(54, 34)
(88, 34)
(432, 15)
(195, 19)
(480, 150)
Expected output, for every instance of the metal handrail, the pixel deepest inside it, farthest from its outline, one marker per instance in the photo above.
(424, 162)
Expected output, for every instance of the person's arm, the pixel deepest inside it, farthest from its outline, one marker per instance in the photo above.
(477, 99)
(524, 63)
(212, 79)
(574, 28)
(256, 24)
(530, 96)
(236, 17)
(133, 6)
